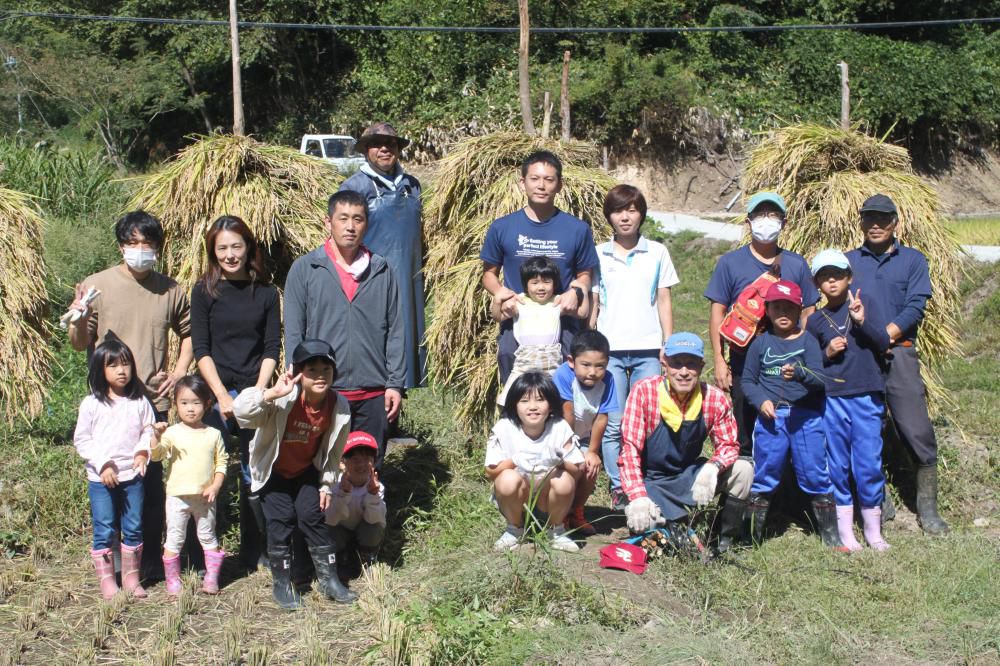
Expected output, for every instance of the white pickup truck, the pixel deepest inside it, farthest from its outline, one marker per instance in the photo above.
(337, 149)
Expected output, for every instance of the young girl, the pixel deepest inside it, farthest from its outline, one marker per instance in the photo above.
(532, 449)
(197, 458)
(112, 435)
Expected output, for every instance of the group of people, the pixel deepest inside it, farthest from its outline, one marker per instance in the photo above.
(311, 436)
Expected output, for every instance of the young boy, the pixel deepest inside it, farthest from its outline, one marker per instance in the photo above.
(781, 380)
(302, 426)
(853, 338)
(587, 401)
(357, 505)
(536, 322)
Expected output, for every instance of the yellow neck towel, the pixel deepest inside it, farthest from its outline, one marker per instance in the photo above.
(670, 411)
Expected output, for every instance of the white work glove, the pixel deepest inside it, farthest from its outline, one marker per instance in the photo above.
(703, 490)
(642, 515)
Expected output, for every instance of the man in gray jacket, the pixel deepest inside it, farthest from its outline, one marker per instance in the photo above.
(346, 295)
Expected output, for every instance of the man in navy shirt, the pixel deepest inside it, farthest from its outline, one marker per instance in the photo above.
(897, 277)
(538, 229)
(734, 272)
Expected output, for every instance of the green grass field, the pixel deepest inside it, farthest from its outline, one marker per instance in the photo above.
(976, 230)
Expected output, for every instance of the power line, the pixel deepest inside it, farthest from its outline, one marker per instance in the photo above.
(881, 25)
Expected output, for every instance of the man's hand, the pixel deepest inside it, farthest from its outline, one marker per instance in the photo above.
(373, 482)
(767, 409)
(285, 384)
(592, 464)
(855, 307)
(324, 501)
(642, 515)
(508, 302)
(723, 375)
(703, 490)
(139, 462)
(836, 346)
(225, 402)
(109, 475)
(788, 372)
(393, 403)
(568, 302)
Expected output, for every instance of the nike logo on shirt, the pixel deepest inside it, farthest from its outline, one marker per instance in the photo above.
(771, 359)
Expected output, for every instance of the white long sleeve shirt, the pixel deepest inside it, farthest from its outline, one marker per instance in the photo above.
(113, 432)
(348, 509)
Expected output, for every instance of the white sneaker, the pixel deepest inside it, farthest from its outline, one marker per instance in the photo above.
(562, 542)
(510, 539)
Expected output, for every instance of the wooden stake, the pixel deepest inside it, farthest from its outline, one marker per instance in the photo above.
(564, 99)
(845, 97)
(523, 82)
(546, 114)
(239, 128)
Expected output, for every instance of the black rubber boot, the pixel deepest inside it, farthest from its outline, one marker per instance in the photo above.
(327, 581)
(825, 511)
(281, 580)
(888, 507)
(927, 512)
(731, 519)
(253, 533)
(368, 556)
(757, 508)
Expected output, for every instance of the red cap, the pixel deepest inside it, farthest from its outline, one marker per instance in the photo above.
(783, 290)
(623, 556)
(357, 439)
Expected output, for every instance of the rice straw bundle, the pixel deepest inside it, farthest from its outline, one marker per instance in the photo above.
(280, 194)
(825, 174)
(25, 357)
(476, 182)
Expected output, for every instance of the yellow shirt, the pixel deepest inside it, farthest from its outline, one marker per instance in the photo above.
(195, 457)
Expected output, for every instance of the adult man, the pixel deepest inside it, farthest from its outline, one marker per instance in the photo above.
(140, 306)
(664, 427)
(538, 229)
(346, 295)
(394, 231)
(737, 270)
(897, 278)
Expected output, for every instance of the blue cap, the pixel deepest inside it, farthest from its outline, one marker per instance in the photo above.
(684, 343)
(761, 197)
(834, 258)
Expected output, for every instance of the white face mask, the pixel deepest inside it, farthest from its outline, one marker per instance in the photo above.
(140, 259)
(765, 229)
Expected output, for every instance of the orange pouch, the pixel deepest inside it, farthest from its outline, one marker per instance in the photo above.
(743, 321)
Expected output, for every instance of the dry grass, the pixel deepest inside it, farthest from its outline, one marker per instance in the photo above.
(25, 358)
(475, 183)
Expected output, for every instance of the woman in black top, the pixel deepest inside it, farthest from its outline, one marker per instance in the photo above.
(236, 336)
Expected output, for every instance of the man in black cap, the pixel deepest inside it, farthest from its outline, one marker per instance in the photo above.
(897, 277)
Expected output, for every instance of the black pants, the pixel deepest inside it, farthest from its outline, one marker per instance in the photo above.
(906, 398)
(745, 414)
(507, 344)
(369, 416)
(291, 503)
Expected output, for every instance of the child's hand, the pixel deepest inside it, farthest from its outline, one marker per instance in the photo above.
(324, 501)
(109, 475)
(788, 372)
(211, 492)
(767, 409)
(345, 484)
(855, 307)
(592, 464)
(158, 429)
(836, 346)
(373, 482)
(285, 384)
(139, 462)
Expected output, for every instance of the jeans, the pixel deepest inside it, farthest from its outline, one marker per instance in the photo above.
(625, 368)
(116, 509)
(230, 428)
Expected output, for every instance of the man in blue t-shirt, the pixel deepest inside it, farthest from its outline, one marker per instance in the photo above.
(538, 229)
(734, 272)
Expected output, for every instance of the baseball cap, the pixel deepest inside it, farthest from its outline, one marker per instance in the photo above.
(834, 258)
(308, 349)
(878, 203)
(359, 439)
(783, 290)
(684, 343)
(762, 197)
(623, 556)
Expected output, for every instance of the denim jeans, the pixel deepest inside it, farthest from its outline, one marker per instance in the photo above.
(229, 427)
(115, 510)
(625, 368)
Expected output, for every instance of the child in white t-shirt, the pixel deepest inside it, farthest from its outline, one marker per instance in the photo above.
(533, 451)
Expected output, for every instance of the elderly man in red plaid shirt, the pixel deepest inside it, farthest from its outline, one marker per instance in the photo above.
(664, 427)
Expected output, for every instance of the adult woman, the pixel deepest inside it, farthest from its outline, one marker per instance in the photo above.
(236, 335)
(632, 309)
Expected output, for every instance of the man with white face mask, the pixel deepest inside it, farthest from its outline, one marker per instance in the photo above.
(139, 307)
(733, 274)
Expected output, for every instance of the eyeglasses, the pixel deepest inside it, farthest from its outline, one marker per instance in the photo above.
(772, 215)
(685, 361)
(882, 220)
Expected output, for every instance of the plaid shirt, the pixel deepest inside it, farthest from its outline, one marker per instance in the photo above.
(642, 415)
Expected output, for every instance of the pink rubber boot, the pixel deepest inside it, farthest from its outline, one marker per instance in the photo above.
(105, 567)
(845, 526)
(172, 571)
(131, 557)
(213, 563)
(872, 519)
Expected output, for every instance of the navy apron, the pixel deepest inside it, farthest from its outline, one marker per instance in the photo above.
(394, 233)
(669, 459)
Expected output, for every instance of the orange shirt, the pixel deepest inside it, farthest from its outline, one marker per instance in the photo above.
(303, 432)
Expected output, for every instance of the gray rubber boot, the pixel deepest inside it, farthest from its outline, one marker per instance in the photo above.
(927, 512)
(285, 595)
(732, 520)
(327, 581)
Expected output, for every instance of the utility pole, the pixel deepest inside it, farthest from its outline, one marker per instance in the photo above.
(845, 97)
(239, 128)
(524, 83)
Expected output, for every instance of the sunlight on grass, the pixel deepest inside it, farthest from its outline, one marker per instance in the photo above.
(976, 230)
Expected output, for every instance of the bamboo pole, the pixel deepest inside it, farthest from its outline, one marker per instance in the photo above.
(845, 97)
(239, 127)
(564, 99)
(524, 83)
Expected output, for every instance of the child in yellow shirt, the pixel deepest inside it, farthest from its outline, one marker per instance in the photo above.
(197, 468)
